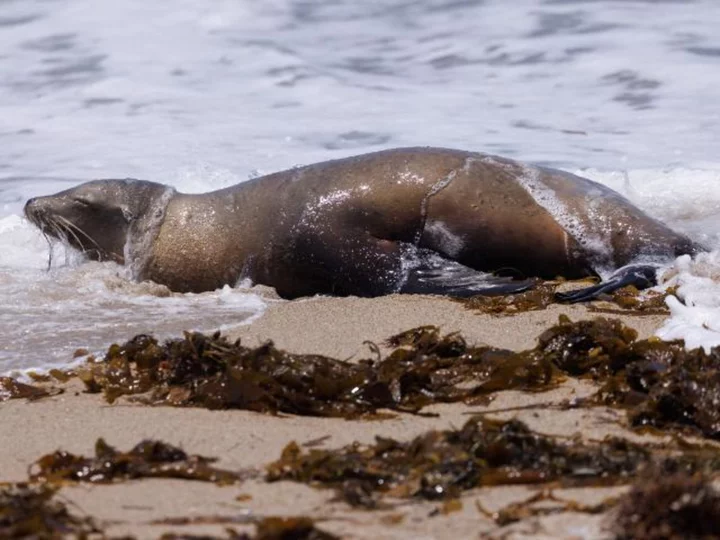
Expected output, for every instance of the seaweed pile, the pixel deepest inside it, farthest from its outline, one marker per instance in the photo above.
(660, 383)
(442, 464)
(674, 507)
(535, 299)
(299, 528)
(13, 389)
(211, 372)
(626, 299)
(148, 459)
(267, 528)
(638, 302)
(30, 512)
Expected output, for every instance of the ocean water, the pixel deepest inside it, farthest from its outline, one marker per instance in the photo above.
(203, 95)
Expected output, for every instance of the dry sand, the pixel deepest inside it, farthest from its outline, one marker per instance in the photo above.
(331, 326)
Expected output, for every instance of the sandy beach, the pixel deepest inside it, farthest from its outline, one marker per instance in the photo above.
(337, 327)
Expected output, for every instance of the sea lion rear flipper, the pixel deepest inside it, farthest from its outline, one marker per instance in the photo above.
(432, 274)
(641, 276)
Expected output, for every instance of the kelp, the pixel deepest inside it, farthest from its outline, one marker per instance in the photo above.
(535, 299)
(59, 375)
(284, 528)
(674, 507)
(148, 459)
(266, 528)
(662, 384)
(627, 300)
(210, 371)
(13, 389)
(32, 512)
(440, 465)
(533, 507)
(630, 300)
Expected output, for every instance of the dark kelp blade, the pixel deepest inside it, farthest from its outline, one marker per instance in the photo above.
(443, 464)
(148, 459)
(669, 506)
(28, 511)
(13, 389)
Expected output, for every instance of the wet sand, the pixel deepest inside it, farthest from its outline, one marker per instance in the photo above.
(336, 327)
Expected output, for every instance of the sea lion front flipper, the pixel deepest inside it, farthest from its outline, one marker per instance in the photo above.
(641, 276)
(432, 274)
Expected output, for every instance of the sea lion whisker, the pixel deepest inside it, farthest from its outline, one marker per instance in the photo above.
(64, 232)
(67, 228)
(72, 227)
(55, 230)
(51, 231)
(46, 236)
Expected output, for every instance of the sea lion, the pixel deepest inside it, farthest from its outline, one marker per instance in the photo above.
(408, 220)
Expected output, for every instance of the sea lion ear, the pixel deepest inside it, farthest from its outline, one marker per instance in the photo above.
(127, 214)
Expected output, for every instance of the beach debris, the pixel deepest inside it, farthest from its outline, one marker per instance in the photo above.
(664, 507)
(625, 300)
(440, 465)
(537, 298)
(52, 375)
(661, 384)
(30, 511)
(148, 459)
(537, 505)
(279, 528)
(11, 388)
(631, 300)
(210, 371)
(266, 528)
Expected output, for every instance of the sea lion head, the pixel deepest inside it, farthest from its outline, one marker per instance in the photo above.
(96, 217)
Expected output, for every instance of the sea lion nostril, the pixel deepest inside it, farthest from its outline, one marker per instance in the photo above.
(31, 207)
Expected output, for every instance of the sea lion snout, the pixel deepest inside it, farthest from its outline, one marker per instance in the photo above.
(31, 206)
(35, 210)
(40, 209)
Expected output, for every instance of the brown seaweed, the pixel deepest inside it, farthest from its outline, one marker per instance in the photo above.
(439, 465)
(210, 371)
(59, 375)
(527, 508)
(669, 507)
(284, 528)
(660, 383)
(13, 389)
(627, 299)
(266, 528)
(148, 459)
(535, 299)
(31, 512)
(630, 300)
